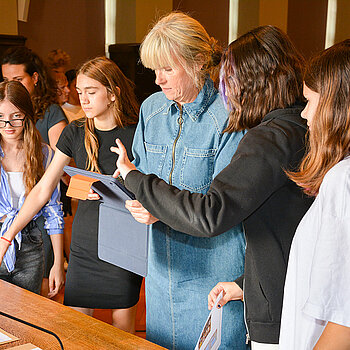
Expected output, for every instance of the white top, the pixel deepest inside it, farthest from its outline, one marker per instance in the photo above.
(72, 112)
(16, 185)
(317, 288)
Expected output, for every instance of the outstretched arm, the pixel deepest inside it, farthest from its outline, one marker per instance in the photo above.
(36, 199)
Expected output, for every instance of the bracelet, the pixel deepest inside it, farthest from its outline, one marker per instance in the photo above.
(5, 239)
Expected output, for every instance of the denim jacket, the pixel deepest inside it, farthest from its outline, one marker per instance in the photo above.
(52, 211)
(185, 148)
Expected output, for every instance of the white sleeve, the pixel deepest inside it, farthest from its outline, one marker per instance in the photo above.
(329, 293)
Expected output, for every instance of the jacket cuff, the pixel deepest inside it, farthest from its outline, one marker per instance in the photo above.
(54, 231)
(239, 281)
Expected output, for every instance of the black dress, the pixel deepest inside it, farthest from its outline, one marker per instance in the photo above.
(91, 282)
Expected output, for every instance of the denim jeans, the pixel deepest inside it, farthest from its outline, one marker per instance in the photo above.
(29, 266)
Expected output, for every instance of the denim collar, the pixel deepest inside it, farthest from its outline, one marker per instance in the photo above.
(199, 105)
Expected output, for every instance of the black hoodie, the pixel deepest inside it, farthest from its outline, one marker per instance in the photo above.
(252, 189)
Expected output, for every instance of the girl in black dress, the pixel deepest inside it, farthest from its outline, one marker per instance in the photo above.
(111, 110)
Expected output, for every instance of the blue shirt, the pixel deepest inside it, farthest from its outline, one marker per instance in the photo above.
(52, 211)
(189, 155)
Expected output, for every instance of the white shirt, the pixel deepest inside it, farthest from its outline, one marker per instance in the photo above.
(72, 112)
(317, 288)
(17, 187)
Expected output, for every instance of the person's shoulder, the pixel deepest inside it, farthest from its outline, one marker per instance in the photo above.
(217, 107)
(55, 112)
(285, 124)
(339, 175)
(335, 189)
(76, 128)
(154, 102)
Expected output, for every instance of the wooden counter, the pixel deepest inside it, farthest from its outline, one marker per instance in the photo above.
(76, 330)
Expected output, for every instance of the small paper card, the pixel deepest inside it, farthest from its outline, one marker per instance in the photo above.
(210, 338)
(27, 346)
(6, 337)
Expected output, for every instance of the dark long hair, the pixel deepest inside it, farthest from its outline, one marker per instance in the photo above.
(328, 74)
(45, 90)
(33, 168)
(261, 71)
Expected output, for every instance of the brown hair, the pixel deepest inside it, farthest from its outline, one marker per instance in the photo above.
(179, 37)
(328, 74)
(33, 168)
(45, 89)
(261, 71)
(125, 107)
(57, 59)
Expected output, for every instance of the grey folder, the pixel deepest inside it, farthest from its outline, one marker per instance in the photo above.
(122, 241)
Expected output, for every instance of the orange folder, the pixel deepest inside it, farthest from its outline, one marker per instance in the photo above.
(79, 186)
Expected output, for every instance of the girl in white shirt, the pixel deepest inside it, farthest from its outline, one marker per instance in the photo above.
(316, 304)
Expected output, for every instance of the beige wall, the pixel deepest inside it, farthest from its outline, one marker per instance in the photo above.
(135, 18)
(76, 26)
(212, 14)
(8, 17)
(342, 28)
(274, 12)
(147, 12)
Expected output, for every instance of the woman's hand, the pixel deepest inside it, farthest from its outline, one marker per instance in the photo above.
(92, 196)
(3, 248)
(231, 291)
(56, 279)
(139, 213)
(124, 166)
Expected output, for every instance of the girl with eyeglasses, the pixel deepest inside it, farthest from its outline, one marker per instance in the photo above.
(23, 159)
(22, 64)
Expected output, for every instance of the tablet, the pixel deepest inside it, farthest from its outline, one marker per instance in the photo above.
(122, 241)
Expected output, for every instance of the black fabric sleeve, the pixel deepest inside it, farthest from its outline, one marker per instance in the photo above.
(239, 281)
(67, 139)
(255, 172)
(55, 115)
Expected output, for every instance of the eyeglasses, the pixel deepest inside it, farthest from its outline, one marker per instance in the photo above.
(15, 123)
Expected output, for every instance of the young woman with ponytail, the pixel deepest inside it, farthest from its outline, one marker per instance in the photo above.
(111, 110)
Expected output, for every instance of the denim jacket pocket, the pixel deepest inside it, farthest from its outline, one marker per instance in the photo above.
(156, 156)
(197, 169)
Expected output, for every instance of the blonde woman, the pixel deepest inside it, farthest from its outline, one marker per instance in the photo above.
(180, 138)
(111, 110)
(23, 159)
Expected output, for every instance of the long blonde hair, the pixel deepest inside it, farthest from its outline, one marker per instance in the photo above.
(328, 74)
(179, 38)
(33, 168)
(125, 107)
